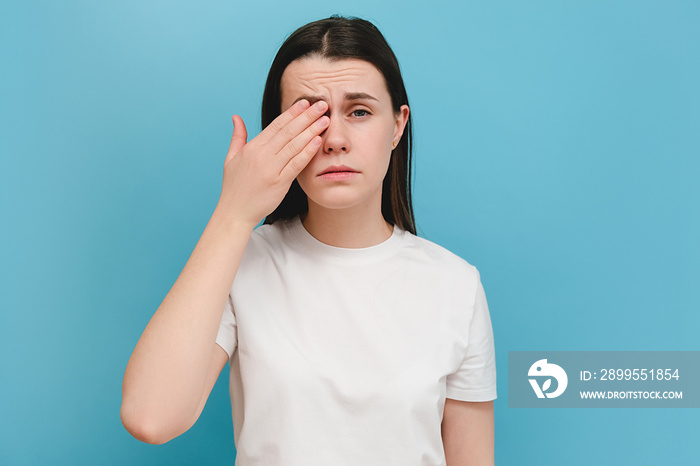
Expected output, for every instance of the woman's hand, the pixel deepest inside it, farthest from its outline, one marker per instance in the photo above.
(258, 174)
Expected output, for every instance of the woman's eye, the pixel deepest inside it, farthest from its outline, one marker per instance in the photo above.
(360, 110)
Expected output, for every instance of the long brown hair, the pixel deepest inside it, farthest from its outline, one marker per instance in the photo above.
(338, 38)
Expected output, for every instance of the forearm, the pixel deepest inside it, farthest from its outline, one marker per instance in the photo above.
(165, 376)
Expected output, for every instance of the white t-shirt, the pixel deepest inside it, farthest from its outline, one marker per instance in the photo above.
(344, 356)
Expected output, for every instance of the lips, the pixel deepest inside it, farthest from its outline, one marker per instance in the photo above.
(337, 168)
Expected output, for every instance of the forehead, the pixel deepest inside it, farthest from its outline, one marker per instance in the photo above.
(321, 77)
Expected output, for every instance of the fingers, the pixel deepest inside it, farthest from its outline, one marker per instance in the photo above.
(281, 121)
(300, 142)
(240, 136)
(295, 127)
(297, 163)
(287, 136)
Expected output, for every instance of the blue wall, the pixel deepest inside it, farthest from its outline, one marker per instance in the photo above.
(557, 150)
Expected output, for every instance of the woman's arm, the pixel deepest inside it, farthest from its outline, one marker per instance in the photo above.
(468, 433)
(166, 375)
(174, 362)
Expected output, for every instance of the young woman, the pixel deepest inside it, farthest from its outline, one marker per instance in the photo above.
(351, 341)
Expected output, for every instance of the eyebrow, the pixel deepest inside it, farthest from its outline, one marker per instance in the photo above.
(348, 96)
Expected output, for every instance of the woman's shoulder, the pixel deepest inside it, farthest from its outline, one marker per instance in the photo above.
(268, 235)
(437, 255)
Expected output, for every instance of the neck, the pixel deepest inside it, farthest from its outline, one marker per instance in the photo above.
(346, 228)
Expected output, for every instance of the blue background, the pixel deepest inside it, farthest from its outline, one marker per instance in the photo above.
(557, 150)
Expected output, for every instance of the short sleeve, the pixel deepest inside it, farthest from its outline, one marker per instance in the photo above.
(475, 379)
(227, 337)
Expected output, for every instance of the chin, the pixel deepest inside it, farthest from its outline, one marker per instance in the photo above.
(335, 200)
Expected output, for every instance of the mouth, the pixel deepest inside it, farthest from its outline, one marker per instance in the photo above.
(338, 169)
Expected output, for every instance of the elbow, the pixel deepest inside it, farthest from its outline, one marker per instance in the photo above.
(142, 429)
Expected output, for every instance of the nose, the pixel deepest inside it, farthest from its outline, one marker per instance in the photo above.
(335, 137)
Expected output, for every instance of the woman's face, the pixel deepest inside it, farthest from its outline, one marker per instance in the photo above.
(362, 129)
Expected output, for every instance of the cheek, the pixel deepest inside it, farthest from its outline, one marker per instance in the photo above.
(384, 134)
(308, 172)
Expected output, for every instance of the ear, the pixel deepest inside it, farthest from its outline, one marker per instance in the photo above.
(401, 121)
